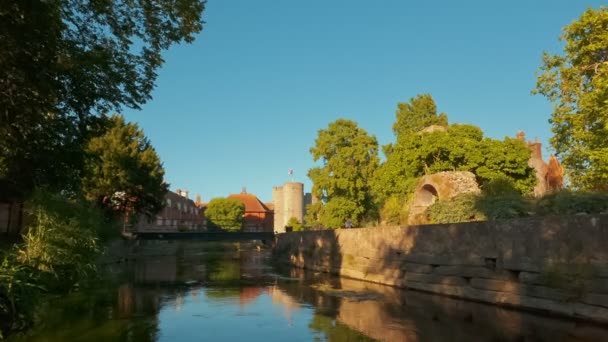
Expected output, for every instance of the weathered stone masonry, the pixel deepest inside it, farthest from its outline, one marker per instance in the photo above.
(553, 264)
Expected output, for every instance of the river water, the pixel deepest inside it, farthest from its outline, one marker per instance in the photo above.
(194, 291)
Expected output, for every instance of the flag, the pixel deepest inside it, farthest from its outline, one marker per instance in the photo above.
(290, 172)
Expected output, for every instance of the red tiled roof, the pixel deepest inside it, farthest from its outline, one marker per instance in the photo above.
(251, 202)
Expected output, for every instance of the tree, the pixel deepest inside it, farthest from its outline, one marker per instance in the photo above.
(418, 114)
(457, 147)
(577, 85)
(295, 224)
(225, 213)
(123, 173)
(62, 62)
(350, 158)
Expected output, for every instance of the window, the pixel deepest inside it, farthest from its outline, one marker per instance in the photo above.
(168, 203)
(179, 206)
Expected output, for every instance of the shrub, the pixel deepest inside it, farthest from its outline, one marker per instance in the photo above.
(570, 203)
(503, 207)
(60, 249)
(462, 208)
(392, 211)
(295, 224)
(61, 239)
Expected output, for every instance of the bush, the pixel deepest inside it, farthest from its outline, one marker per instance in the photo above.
(61, 240)
(60, 249)
(503, 207)
(295, 224)
(394, 211)
(462, 208)
(570, 203)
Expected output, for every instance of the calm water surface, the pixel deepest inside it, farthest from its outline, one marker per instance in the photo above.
(194, 291)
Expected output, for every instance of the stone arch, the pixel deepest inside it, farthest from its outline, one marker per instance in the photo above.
(426, 196)
(436, 187)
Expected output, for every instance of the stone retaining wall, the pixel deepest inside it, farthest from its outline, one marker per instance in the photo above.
(557, 265)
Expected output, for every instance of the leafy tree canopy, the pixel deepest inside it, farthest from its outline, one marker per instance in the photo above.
(458, 147)
(225, 213)
(63, 61)
(576, 82)
(349, 160)
(123, 171)
(419, 113)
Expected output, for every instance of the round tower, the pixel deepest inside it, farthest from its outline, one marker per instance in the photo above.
(293, 201)
(277, 201)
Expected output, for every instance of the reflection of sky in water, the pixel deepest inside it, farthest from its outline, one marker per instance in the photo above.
(182, 295)
(269, 317)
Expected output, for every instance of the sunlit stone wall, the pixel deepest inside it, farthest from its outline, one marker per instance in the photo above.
(557, 265)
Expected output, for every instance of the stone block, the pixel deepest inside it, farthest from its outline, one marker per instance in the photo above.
(531, 278)
(595, 313)
(495, 285)
(595, 299)
(417, 268)
(435, 279)
(473, 272)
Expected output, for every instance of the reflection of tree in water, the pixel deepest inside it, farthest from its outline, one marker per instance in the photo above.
(111, 313)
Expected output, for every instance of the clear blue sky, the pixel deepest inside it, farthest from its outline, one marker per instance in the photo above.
(243, 103)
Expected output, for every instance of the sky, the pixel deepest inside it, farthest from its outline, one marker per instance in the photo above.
(242, 105)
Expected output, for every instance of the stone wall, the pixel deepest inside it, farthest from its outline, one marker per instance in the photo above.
(557, 265)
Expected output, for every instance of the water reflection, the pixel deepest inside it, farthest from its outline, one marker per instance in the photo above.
(187, 291)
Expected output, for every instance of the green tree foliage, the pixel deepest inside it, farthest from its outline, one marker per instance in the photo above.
(462, 208)
(225, 213)
(349, 159)
(458, 147)
(295, 224)
(577, 85)
(572, 203)
(419, 113)
(62, 62)
(60, 250)
(123, 172)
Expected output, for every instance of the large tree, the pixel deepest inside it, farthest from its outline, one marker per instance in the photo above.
(225, 213)
(62, 62)
(457, 147)
(123, 172)
(576, 82)
(349, 159)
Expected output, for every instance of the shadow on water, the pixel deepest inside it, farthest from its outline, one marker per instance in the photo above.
(190, 291)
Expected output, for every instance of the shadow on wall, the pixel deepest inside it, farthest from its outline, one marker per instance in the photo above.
(549, 264)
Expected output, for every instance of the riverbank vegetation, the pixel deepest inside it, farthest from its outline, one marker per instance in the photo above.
(353, 183)
(65, 67)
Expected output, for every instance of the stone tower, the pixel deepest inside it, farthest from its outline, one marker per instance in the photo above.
(288, 202)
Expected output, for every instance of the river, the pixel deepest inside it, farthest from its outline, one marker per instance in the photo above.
(195, 291)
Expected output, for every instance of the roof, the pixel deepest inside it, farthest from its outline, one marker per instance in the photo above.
(251, 202)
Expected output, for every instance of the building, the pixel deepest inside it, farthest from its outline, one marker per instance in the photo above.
(289, 201)
(258, 217)
(549, 176)
(179, 214)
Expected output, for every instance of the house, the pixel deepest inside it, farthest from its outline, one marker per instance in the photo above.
(179, 214)
(258, 217)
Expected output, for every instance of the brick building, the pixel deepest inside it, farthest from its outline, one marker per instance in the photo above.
(179, 214)
(258, 217)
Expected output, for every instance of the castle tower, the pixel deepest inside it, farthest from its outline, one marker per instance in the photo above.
(288, 202)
